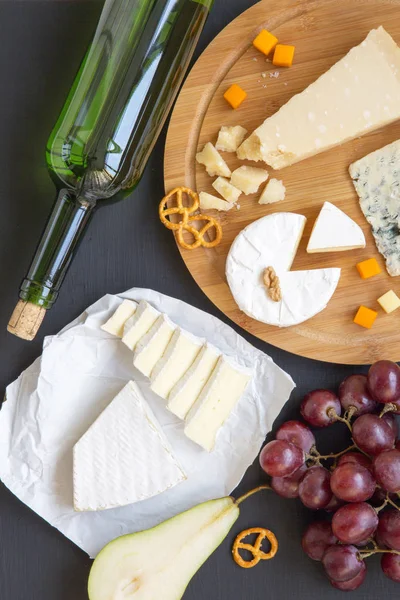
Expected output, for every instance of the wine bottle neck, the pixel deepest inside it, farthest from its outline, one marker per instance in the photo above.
(58, 244)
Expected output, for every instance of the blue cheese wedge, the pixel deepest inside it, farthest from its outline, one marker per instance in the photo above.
(215, 403)
(334, 231)
(139, 324)
(359, 94)
(185, 393)
(152, 346)
(178, 357)
(124, 457)
(376, 178)
(115, 324)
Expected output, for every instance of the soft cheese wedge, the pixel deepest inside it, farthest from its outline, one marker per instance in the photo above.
(124, 457)
(376, 178)
(185, 393)
(334, 231)
(178, 357)
(359, 94)
(152, 345)
(115, 324)
(215, 403)
(139, 324)
(272, 242)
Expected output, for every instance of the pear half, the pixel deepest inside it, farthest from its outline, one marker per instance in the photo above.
(160, 562)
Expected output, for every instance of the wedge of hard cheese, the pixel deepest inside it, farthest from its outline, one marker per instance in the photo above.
(360, 93)
(124, 457)
(334, 231)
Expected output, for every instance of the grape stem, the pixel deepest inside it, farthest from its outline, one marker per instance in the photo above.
(388, 408)
(252, 492)
(319, 457)
(332, 414)
(367, 553)
(390, 501)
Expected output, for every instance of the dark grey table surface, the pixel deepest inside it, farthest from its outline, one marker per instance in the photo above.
(41, 45)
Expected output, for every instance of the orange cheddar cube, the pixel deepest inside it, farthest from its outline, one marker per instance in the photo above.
(365, 317)
(265, 42)
(283, 56)
(368, 268)
(235, 95)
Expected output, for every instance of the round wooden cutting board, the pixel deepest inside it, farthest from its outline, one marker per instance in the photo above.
(323, 31)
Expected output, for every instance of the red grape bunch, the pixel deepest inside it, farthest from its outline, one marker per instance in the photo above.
(359, 488)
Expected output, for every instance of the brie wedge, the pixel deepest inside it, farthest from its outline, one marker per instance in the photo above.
(210, 202)
(176, 360)
(115, 324)
(334, 231)
(213, 161)
(139, 324)
(215, 403)
(184, 394)
(230, 138)
(359, 94)
(124, 457)
(152, 345)
(272, 242)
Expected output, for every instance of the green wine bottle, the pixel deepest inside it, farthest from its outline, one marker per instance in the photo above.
(110, 122)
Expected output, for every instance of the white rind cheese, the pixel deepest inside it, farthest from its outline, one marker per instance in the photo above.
(213, 161)
(248, 179)
(115, 324)
(230, 138)
(139, 324)
(124, 457)
(184, 394)
(376, 178)
(210, 202)
(228, 191)
(272, 242)
(152, 346)
(359, 94)
(334, 231)
(274, 191)
(215, 403)
(178, 357)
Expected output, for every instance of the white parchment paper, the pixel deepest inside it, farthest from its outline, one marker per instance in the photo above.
(51, 405)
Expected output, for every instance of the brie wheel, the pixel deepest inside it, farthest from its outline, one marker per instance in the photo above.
(272, 242)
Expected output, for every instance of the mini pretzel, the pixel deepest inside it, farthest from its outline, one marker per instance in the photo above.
(179, 209)
(199, 234)
(255, 549)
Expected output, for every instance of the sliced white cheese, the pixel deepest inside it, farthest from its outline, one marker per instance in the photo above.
(152, 345)
(334, 231)
(115, 324)
(178, 357)
(359, 94)
(230, 138)
(376, 178)
(274, 191)
(213, 161)
(184, 394)
(215, 403)
(248, 179)
(272, 242)
(124, 457)
(228, 191)
(210, 202)
(139, 324)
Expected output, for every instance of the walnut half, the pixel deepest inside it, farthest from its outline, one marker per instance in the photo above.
(271, 281)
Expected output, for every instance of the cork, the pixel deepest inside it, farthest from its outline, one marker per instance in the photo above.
(26, 320)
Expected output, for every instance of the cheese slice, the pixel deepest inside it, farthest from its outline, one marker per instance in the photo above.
(334, 231)
(115, 324)
(152, 345)
(376, 178)
(124, 457)
(184, 394)
(178, 357)
(139, 324)
(272, 242)
(215, 403)
(359, 94)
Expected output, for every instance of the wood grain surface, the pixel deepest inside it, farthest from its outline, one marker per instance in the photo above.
(323, 31)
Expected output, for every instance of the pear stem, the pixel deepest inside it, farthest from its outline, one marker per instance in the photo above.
(252, 492)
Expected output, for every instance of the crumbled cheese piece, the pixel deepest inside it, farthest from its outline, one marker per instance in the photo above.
(229, 192)
(208, 201)
(274, 191)
(248, 179)
(230, 138)
(213, 161)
